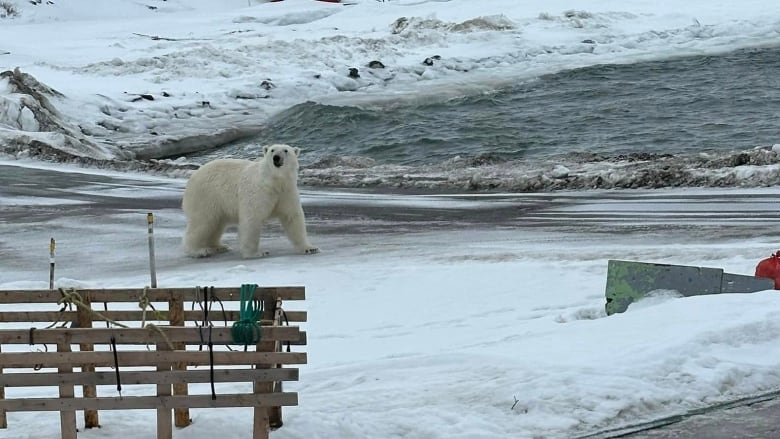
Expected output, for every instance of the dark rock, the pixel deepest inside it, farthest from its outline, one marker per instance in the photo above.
(429, 61)
(353, 73)
(741, 159)
(486, 158)
(141, 97)
(376, 65)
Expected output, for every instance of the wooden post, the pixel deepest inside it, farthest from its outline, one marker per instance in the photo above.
(164, 428)
(3, 416)
(264, 417)
(176, 318)
(84, 319)
(67, 417)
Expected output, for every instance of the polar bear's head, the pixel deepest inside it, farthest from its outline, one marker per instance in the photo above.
(281, 157)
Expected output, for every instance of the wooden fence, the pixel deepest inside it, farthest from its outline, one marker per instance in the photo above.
(155, 340)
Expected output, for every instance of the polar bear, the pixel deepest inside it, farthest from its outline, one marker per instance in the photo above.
(230, 191)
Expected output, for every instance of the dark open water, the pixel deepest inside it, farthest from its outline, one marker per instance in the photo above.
(702, 103)
(683, 122)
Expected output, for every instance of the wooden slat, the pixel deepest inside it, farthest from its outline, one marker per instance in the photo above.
(148, 402)
(38, 316)
(217, 316)
(300, 341)
(220, 335)
(147, 358)
(153, 294)
(131, 377)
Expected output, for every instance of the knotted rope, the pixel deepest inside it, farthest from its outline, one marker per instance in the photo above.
(145, 304)
(71, 297)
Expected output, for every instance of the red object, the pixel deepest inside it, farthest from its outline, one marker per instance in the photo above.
(770, 268)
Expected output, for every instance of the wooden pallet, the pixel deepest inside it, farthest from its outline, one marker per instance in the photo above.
(161, 350)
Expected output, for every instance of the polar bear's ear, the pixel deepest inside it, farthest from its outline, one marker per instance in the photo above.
(265, 149)
(297, 151)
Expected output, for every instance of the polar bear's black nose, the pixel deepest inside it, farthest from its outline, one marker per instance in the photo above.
(278, 160)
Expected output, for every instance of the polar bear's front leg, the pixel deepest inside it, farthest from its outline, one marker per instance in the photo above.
(294, 226)
(249, 238)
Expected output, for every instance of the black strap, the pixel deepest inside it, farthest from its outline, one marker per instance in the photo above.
(199, 325)
(211, 367)
(32, 342)
(287, 322)
(116, 366)
(206, 306)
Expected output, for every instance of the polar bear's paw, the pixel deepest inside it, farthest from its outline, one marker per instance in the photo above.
(311, 251)
(255, 255)
(207, 251)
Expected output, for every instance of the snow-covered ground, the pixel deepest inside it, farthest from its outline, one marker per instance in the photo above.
(216, 71)
(429, 316)
(439, 316)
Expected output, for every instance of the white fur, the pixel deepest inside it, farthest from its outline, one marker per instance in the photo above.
(229, 191)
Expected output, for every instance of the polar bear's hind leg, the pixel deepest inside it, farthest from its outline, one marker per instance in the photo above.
(203, 236)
